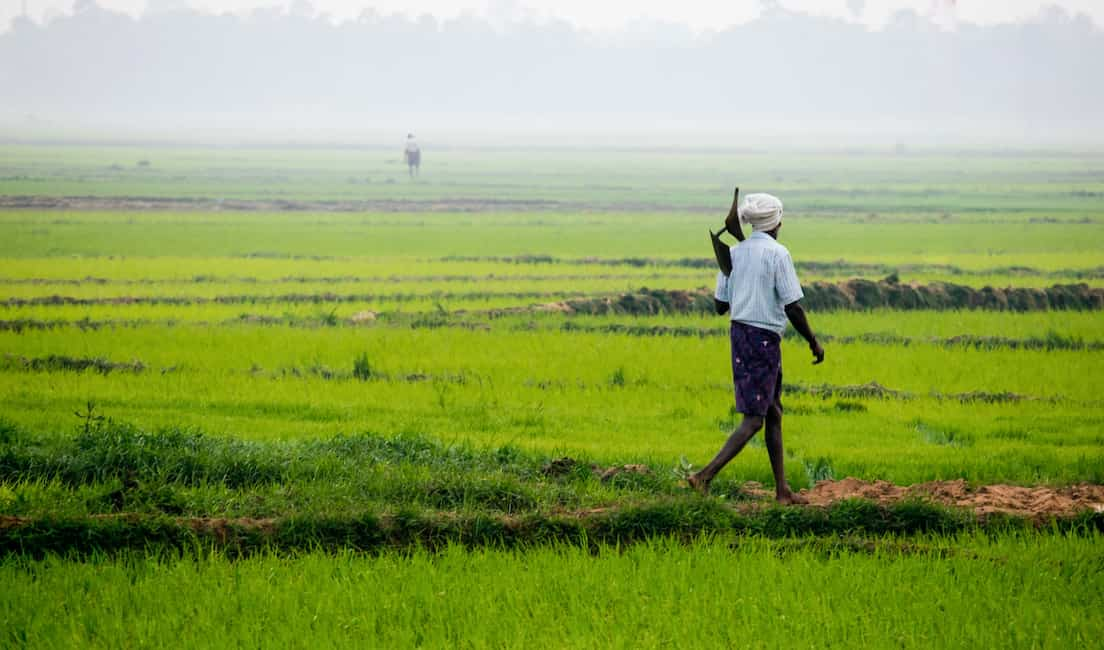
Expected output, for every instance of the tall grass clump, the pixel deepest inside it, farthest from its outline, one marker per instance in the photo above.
(819, 469)
(944, 436)
(362, 367)
(104, 450)
(9, 431)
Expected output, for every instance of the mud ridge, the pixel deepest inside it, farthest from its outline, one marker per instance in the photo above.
(292, 298)
(150, 203)
(837, 267)
(874, 390)
(1036, 503)
(345, 279)
(854, 295)
(836, 510)
(62, 363)
(364, 318)
(1050, 342)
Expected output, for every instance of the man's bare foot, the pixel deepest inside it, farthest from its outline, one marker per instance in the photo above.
(788, 498)
(699, 484)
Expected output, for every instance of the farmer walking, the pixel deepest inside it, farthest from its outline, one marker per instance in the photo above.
(761, 293)
(413, 155)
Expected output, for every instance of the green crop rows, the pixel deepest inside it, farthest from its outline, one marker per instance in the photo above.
(340, 425)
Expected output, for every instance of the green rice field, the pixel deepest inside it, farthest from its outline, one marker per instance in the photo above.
(289, 397)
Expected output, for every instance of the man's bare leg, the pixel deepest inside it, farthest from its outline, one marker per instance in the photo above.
(749, 427)
(782, 492)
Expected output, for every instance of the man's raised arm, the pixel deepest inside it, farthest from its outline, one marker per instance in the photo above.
(732, 224)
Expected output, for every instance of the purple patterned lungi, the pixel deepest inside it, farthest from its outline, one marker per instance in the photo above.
(756, 368)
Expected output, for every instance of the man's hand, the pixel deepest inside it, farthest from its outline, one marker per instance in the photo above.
(817, 351)
(796, 314)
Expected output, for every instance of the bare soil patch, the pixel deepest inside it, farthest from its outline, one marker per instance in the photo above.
(7, 521)
(223, 529)
(566, 465)
(1032, 502)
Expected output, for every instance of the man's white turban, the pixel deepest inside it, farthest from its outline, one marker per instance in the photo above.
(763, 212)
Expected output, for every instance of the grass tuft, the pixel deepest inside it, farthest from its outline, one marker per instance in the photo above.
(362, 367)
(942, 435)
(819, 469)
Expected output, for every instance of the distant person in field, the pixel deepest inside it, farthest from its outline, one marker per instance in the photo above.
(761, 293)
(413, 155)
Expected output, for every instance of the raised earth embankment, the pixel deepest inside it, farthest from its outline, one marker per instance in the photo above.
(857, 294)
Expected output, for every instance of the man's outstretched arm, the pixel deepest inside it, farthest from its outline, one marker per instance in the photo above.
(796, 314)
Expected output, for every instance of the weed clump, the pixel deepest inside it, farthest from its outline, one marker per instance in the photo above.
(819, 469)
(845, 406)
(362, 367)
(105, 450)
(617, 378)
(944, 436)
(456, 492)
(62, 363)
(9, 431)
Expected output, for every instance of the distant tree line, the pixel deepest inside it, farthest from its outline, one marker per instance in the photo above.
(782, 64)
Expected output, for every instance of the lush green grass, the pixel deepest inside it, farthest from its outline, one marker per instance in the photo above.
(594, 390)
(921, 326)
(615, 396)
(974, 592)
(112, 486)
(432, 423)
(547, 382)
(959, 242)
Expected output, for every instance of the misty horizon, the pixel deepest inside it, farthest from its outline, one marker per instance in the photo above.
(785, 75)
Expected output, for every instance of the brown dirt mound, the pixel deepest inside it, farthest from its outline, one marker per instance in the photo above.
(1034, 502)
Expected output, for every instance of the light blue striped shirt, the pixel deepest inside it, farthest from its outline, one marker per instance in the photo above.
(762, 283)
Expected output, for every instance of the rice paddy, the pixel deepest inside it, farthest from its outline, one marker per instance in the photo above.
(457, 412)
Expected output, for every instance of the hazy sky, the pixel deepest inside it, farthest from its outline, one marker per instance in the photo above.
(600, 15)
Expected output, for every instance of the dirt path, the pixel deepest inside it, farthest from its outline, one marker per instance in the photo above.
(1033, 502)
(1037, 503)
